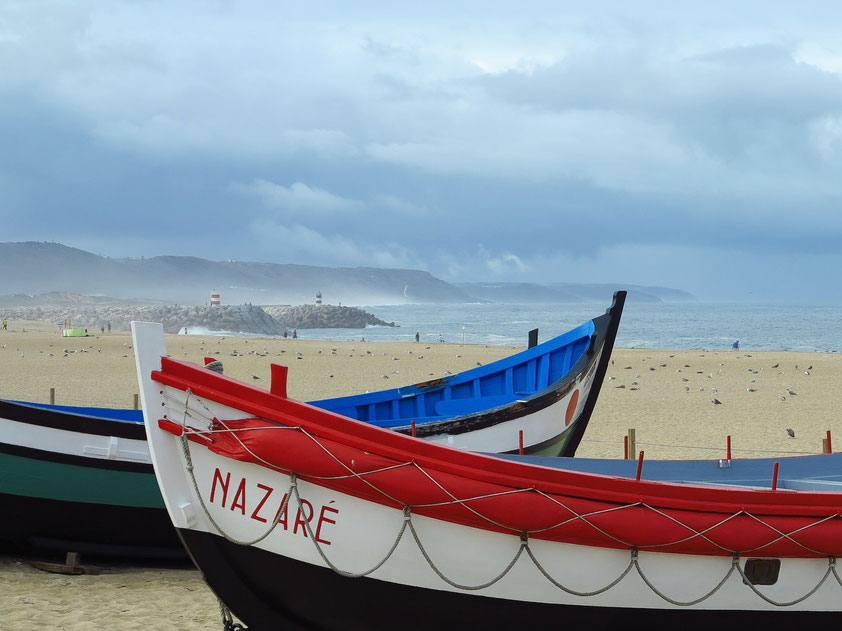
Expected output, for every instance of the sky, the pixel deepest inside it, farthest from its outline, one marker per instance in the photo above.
(689, 145)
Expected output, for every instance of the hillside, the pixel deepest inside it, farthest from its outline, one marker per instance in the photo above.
(34, 267)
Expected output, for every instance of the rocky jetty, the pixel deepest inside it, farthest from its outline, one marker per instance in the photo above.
(270, 320)
(323, 317)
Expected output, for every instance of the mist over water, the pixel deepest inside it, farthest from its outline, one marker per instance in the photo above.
(694, 325)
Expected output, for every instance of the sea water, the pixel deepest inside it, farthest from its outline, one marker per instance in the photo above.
(668, 325)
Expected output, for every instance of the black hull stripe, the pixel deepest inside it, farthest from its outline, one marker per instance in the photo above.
(79, 461)
(269, 592)
(44, 417)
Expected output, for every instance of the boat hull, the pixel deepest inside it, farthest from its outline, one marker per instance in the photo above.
(57, 502)
(318, 598)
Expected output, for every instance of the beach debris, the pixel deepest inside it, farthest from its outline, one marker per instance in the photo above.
(750, 390)
(790, 392)
(716, 401)
(701, 388)
(776, 365)
(627, 368)
(622, 385)
(791, 432)
(611, 378)
(385, 376)
(255, 377)
(634, 388)
(686, 388)
(806, 372)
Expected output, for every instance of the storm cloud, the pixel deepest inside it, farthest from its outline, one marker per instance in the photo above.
(649, 143)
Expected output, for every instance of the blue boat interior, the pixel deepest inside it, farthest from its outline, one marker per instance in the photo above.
(514, 378)
(510, 379)
(819, 472)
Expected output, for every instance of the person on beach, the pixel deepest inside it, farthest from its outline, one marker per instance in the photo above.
(736, 345)
(417, 336)
(295, 334)
(5, 324)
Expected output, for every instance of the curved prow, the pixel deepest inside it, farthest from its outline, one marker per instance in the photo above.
(608, 324)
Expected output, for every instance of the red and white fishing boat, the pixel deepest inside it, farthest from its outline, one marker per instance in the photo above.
(299, 518)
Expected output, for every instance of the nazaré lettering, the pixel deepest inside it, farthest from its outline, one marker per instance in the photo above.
(325, 520)
(217, 477)
(305, 514)
(305, 521)
(240, 497)
(268, 490)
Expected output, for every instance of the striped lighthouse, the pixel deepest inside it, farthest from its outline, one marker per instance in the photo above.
(214, 298)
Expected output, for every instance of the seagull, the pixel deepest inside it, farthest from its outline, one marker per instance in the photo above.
(791, 392)
(791, 432)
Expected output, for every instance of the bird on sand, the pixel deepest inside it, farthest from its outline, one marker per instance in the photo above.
(791, 432)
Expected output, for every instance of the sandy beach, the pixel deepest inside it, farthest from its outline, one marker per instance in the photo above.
(666, 396)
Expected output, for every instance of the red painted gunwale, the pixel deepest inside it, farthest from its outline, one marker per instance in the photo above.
(621, 513)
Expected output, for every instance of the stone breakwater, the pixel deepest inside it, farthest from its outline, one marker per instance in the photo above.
(233, 318)
(323, 317)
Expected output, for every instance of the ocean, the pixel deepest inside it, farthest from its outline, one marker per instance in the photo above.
(669, 325)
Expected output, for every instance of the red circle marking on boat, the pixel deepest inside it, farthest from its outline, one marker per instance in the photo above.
(571, 407)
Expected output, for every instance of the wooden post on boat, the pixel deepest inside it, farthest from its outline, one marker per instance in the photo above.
(533, 338)
(829, 445)
(136, 401)
(52, 396)
(728, 449)
(520, 442)
(824, 446)
(631, 445)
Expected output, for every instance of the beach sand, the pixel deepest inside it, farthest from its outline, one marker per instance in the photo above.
(666, 396)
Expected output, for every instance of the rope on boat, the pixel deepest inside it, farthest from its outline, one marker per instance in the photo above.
(634, 561)
(228, 623)
(189, 465)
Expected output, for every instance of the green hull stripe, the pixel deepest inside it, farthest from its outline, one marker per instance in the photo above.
(73, 483)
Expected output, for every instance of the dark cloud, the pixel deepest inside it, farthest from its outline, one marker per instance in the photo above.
(537, 142)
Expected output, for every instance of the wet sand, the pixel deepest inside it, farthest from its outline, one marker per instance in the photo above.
(666, 396)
